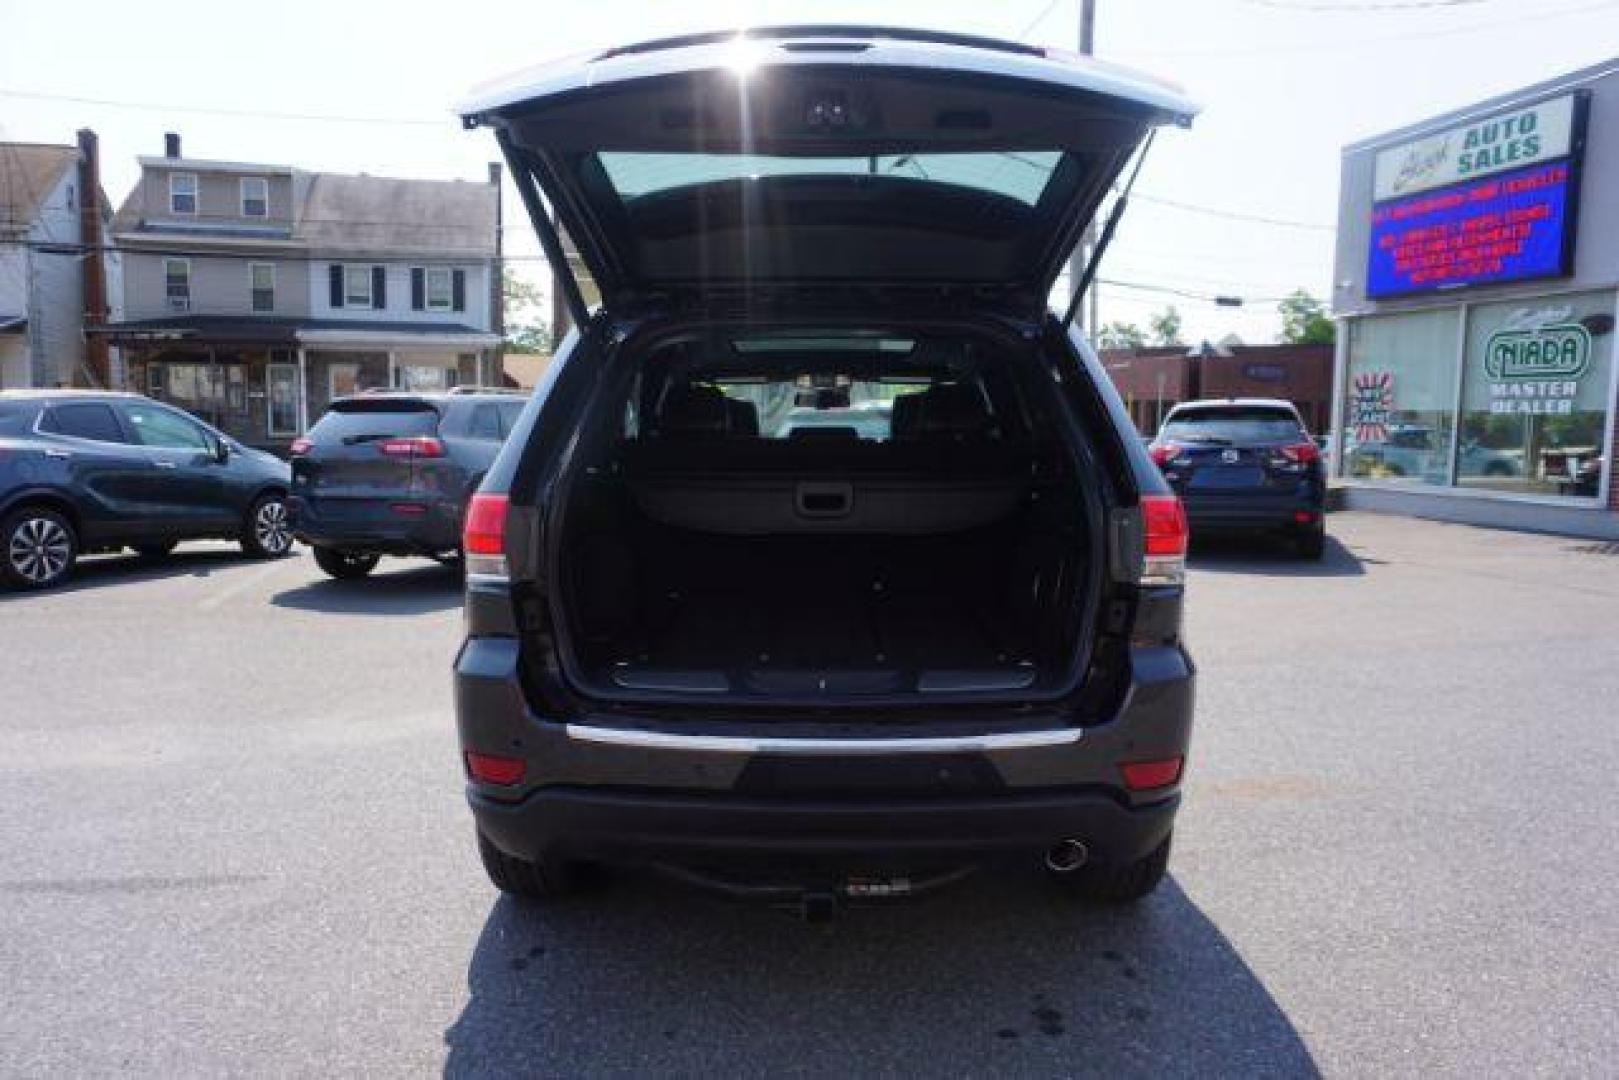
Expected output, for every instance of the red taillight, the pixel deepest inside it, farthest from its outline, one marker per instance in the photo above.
(1162, 453)
(483, 537)
(301, 446)
(415, 446)
(1146, 775)
(494, 768)
(1301, 453)
(1163, 521)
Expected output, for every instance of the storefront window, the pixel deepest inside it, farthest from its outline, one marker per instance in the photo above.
(1401, 390)
(1535, 388)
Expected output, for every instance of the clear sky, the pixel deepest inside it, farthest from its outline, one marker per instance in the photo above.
(1284, 84)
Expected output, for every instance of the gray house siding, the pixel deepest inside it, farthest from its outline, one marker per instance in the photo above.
(56, 305)
(218, 195)
(220, 285)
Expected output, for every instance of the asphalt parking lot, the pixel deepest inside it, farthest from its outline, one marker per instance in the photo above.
(232, 841)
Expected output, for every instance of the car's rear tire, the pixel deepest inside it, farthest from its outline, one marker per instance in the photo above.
(1311, 543)
(37, 548)
(1120, 883)
(154, 552)
(545, 879)
(345, 565)
(267, 532)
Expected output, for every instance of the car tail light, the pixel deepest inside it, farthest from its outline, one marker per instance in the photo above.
(1301, 453)
(1163, 453)
(494, 768)
(301, 447)
(415, 446)
(1146, 775)
(1163, 521)
(483, 538)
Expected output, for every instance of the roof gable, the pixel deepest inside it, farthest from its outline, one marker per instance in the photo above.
(28, 174)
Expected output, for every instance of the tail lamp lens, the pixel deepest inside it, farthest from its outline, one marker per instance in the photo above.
(1301, 453)
(1164, 523)
(1146, 775)
(494, 768)
(1163, 453)
(301, 446)
(483, 538)
(424, 446)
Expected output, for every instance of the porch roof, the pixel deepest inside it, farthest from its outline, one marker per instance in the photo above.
(288, 331)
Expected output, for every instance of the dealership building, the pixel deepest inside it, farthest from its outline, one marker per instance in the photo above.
(1475, 376)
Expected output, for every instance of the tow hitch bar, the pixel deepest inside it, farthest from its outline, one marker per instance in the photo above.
(818, 902)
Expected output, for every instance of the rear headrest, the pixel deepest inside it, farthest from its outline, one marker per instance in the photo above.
(905, 419)
(744, 418)
(955, 410)
(694, 410)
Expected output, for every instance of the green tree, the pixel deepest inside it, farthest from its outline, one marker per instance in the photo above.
(1166, 327)
(526, 330)
(1305, 320)
(1121, 335)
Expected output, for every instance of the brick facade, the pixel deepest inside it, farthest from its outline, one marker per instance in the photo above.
(1152, 380)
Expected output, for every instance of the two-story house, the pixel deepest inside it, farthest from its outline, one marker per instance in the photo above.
(53, 269)
(254, 294)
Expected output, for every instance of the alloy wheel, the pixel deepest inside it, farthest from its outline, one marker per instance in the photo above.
(40, 550)
(270, 527)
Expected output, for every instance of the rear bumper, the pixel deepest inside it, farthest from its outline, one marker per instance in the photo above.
(380, 528)
(680, 791)
(642, 827)
(1238, 510)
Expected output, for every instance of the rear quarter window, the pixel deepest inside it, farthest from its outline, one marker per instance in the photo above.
(83, 420)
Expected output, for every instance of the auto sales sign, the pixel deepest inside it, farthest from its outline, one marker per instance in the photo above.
(1488, 201)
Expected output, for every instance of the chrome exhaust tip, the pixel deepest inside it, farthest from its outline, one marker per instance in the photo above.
(1066, 856)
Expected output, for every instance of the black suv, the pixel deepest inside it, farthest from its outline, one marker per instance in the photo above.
(390, 474)
(1246, 465)
(88, 471)
(826, 564)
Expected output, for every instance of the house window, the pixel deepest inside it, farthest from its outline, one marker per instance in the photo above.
(261, 280)
(440, 289)
(255, 196)
(177, 284)
(357, 286)
(182, 193)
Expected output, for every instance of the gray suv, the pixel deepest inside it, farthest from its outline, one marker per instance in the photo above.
(390, 474)
(815, 660)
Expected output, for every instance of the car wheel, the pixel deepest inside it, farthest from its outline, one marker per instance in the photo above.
(268, 534)
(544, 879)
(1311, 543)
(39, 548)
(1123, 883)
(345, 564)
(153, 552)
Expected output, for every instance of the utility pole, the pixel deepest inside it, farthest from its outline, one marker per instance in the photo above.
(1076, 261)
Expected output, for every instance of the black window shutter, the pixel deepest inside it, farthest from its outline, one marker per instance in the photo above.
(379, 287)
(418, 288)
(336, 273)
(458, 290)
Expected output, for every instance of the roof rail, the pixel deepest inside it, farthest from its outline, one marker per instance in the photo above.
(488, 390)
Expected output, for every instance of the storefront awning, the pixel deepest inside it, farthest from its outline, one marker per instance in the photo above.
(209, 330)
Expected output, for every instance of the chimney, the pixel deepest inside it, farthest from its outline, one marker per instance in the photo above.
(171, 144)
(94, 266)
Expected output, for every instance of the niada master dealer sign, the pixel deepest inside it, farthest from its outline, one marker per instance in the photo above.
(1535, 363)
(1488, 201)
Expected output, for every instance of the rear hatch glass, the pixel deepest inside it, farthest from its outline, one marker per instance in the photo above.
(1232, 426)
(353, 451)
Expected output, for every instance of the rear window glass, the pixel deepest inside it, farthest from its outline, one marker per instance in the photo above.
(860, 408)
(1252, 423)
(83, 420)
(356, 422)
(1019, 175)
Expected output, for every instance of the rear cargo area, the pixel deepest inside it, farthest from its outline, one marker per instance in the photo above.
(924, 542)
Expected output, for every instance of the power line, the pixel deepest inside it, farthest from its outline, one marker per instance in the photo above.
(1233, 214)
(319, 118)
